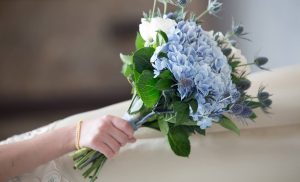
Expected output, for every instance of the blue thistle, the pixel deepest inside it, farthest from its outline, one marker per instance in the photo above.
(243, 84)
(182, 2)
(266, 103)
(227, 51)
(237, 109)
(260, 61)
(263, 96)
(238, 30)
(247, 112)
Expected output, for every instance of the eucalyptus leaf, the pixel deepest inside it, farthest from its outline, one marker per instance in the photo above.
(141, 59)
(179, 141)
(228, 124)
(146, 89)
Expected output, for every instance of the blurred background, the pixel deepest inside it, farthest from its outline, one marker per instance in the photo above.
(61, 57)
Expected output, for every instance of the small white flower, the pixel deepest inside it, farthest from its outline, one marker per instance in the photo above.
(237, 53)
(148, 30)
(219, 36)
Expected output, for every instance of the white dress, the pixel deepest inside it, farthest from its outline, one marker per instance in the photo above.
(266, 151)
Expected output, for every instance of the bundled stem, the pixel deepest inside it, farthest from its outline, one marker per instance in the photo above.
(87, 157)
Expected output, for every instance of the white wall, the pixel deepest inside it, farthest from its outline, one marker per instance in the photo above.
(274, 27)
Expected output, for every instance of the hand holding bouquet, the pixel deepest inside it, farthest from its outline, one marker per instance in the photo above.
(184, 79)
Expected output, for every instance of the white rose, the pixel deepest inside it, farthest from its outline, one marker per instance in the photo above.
(148, 30)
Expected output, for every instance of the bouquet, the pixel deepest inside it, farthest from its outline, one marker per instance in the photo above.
(184, 79)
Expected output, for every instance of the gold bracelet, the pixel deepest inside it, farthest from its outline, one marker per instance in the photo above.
(77, 139)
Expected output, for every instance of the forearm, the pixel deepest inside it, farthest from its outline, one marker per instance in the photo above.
(24, 156)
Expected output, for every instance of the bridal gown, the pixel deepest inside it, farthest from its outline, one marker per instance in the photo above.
(266, 151)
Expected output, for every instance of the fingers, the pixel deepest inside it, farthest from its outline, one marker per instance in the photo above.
(105, 149)
(107, 135)
(118, 135)
(123, 125)
(112, 143)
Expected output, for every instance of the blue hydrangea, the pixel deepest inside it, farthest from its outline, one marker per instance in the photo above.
(200, 68)
(204, 123)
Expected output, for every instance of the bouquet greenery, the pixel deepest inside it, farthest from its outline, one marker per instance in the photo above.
(184, 79)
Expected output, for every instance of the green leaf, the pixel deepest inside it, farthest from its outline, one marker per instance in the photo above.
(187, 122)
(193, 129)
(194, 105)
(126, 59)
(136, 75)
(141, 59)
(182, 112)
(161, 38)
(228, 124)
(163, 35)
(253, 116)
(146, 89)
(234, 64)
(163, 126)
(253, 104)
(161, 105)
(127, 70)
(199, 130)
(166, 74)
(235, 79)
(139, 41)
(190, 122)
(164, 84)
(179, 141)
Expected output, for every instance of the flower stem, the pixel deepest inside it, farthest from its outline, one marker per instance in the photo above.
(85, 158)
(94, 166)
(246, 64)
(97, 171)
(165, 7)
(229, 35)
(90, 160)
(154, 5)
(202, 14)
(79, 153)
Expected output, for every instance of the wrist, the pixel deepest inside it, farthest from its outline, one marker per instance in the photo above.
(71, 138)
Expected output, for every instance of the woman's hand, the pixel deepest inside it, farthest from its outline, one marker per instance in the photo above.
(106, 135)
